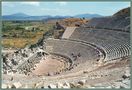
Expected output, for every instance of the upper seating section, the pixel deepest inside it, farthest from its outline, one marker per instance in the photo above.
(119, 21)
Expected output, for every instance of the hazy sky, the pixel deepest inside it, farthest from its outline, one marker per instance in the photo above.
(62, 8)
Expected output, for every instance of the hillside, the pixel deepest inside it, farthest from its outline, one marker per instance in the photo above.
(119, 21)
(123, 12)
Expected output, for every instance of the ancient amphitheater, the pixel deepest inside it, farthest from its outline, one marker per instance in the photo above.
(94, 55)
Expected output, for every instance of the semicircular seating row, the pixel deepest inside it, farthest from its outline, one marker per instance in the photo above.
(67, 48)
(116, 44)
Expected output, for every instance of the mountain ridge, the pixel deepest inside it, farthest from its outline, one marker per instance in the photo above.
(23, 16)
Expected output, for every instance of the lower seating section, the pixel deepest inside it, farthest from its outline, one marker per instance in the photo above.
(116, 44)
(77, 51)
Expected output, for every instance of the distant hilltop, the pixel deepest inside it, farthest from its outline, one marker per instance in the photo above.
(125, 12)
(118, 21)
(22, 16)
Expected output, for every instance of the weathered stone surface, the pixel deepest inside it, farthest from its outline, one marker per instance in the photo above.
(46, 87)
(109, 87)
(126, 81)
(59, 85)
(124, 86)
(66, 85)
(17, 84)
(26, 86)
(50, 74)
(82, 82)
(127, 74)
(124, 76)
(79, 86)
(85, 71)
(11, 78)
(4, 86)
(39, 85)
(11, 86)
(72, 85)
(52, 86)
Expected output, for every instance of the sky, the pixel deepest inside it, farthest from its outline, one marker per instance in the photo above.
(63, 8)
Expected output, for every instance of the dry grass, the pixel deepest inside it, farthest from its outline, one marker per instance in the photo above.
(73, 21)
(21, 42)
(25, 38)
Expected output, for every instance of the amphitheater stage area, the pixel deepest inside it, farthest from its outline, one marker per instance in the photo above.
(50, 66)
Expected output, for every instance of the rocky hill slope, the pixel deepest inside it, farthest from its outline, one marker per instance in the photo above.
(119, 21)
